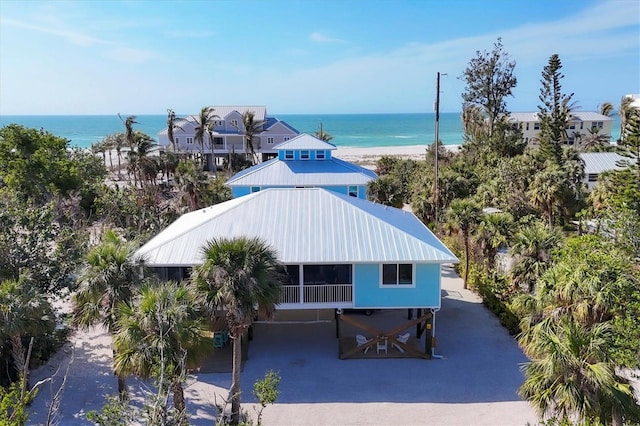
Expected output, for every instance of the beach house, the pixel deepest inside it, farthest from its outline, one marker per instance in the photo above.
(228, 133)
(303, 162)
(341, 252)
(596, 163)
(580, 123)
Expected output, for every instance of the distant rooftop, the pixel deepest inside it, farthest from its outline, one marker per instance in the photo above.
(599, 162)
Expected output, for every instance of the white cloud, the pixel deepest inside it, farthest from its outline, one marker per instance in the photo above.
(321, 38)
(73, 37)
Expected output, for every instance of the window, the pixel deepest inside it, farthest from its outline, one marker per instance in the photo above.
(526, 140)
(189, 140)
(234, 123)
(293, 274)
(270, 140)
(218, 141)
(397, 274)
(304, 155)
(177, 140)
(352, 191)
(536, 126)
(527, 126)
(593, 177)
(581, 125)
(285, 139)
(319, 155)
(288, 155)
(255, 189)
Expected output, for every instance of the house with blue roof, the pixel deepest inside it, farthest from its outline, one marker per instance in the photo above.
(303, 162)
(228, 134)
(341, 252)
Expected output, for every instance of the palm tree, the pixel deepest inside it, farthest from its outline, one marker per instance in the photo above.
(606, 109)
(464, 215)
(625, 110)
(204, 121)
(23, 312)
(495, 230)
(322, 135)
(532, 251)
(571, 374)
(116, 141)
(173, 123)
(546, 191)
(158, 335)
(593, 140)
(251, 127)
(129, 132)
(139, 160)
(192, 182)
(241, 277)
(110, 277)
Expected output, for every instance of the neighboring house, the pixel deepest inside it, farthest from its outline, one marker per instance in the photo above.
(303, 161)
(596, 163)
(229, 133)
(340, 251)
(580, 123)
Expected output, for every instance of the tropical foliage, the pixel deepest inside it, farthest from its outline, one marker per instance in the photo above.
(241, 277)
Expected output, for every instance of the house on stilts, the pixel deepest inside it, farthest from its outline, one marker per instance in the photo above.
(341, 252)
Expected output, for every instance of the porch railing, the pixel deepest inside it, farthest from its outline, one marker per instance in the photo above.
(326, 293)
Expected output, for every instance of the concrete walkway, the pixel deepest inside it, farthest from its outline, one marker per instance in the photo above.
(475, 382)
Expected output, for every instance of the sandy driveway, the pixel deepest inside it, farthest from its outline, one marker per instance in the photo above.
(475, 382)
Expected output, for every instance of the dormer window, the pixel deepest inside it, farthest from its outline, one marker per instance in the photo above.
(353, 191)
(304, 155)
(234, 123)
(319, 155)
(288, 155)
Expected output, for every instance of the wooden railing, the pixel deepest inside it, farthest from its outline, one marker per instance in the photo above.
(326, 293)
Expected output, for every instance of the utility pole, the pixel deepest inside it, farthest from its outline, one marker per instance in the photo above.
(435, 143)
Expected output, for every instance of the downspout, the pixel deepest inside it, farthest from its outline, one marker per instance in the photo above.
(433, 334)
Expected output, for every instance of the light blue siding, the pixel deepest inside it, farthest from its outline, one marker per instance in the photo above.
(239, 191)
(369, 294)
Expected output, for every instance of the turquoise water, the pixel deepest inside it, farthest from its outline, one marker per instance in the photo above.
(357, 130)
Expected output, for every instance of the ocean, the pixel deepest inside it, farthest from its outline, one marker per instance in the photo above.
(348, 130)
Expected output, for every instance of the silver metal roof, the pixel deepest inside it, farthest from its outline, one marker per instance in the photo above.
(576, 115)
(291, 173)
(598, 162)
(304, 141)
(307, 225)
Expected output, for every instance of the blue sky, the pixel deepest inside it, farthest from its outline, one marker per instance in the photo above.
(313, 56)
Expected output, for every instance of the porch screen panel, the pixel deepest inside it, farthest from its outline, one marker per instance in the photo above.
(327, 274)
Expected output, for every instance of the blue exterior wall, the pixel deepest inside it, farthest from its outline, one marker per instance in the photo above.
(239, 191)
(312, 154)
(368, 293)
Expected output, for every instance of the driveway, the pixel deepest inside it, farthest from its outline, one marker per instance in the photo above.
(475, 381)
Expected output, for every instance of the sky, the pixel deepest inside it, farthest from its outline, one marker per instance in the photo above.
(303, 56)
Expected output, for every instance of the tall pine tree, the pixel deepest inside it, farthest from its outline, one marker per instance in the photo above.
(554, 111)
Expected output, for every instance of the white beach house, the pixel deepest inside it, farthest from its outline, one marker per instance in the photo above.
(580, 123)
(303, 162)
(228, 134)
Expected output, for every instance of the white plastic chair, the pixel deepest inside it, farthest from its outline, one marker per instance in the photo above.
(402, 338)
(361, 340)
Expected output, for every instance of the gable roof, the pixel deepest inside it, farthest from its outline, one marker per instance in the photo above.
(308, 225)
(291, 173)
(304, 141)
